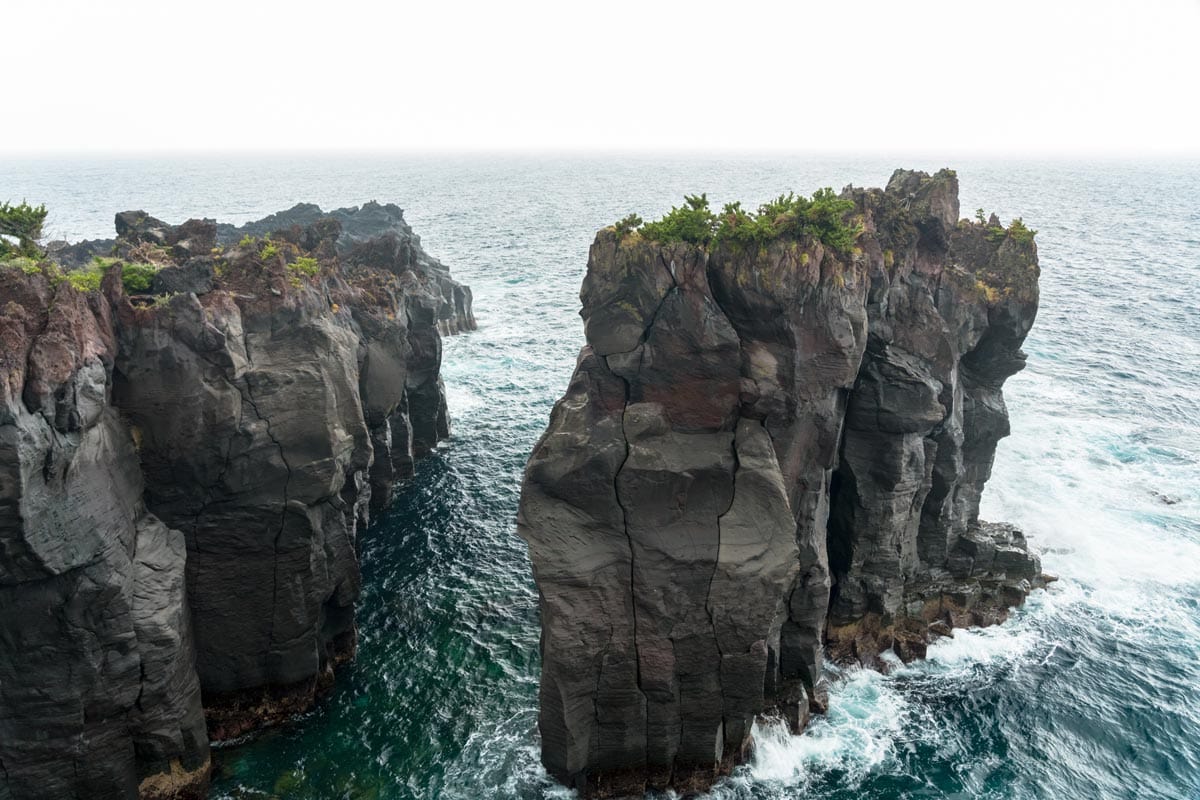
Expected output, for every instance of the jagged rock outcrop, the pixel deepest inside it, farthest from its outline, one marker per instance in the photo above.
(764, 451)
(922, 426)
(392, 241)
(186, 455)
(378, 234)
(98, 690)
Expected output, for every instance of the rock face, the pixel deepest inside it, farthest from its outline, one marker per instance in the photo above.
(765, 452)
(98, 690)
(182, 475)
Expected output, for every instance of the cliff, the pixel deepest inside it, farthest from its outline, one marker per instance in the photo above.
(191, 435)
(771, 452)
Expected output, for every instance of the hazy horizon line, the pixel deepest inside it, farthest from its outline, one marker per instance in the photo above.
(643, 152)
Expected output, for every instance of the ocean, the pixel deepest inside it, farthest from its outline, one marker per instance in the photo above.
(1092, 690)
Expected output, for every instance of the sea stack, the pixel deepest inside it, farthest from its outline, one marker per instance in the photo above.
(193, 428)
(771, 452)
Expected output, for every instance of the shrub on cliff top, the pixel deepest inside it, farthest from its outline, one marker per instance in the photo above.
(1017, 230)
(627, 225)
(138, 277)
(823, 217)
(29, 266)
(24, 222)
(693, 222)
(1020, 233)
(87, 279)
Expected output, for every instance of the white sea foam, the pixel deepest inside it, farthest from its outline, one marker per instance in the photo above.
(856, 736)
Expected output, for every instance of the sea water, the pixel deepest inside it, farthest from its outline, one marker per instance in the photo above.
(1092, 690)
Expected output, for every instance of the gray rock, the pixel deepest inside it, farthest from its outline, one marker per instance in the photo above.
(768, 454)
(376, 234)
(181, 484)
(196, 276)
(98, 691)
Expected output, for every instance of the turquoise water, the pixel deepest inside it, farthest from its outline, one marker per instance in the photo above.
(1091, 691)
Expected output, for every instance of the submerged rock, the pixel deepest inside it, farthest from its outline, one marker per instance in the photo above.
(185, 460)
(769, 452)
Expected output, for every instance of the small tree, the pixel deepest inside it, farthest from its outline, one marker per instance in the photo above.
(23, 222)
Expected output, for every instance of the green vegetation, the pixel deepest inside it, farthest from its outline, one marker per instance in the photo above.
(138, 277)
(29, 266)
(822, 217)
(739, 225)
(627, 225)
(1020, 233)
(247, 241)
(270, 249)
(306, 266)
(86, 280)
(693, 222)
(997, 233)
(24, 222)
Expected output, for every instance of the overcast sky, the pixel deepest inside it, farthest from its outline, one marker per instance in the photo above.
(1044, 77)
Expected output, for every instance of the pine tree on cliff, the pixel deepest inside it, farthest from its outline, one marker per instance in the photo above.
(24, 223)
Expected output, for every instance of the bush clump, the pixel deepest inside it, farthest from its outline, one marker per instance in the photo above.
(270, 250)
(306, 266)
(27, 265)
(138, 277)
(627, 225)
(24, 223)
(822, 217)
(1020, 232)
(86, 280)
(1017, 230)
(693, 222)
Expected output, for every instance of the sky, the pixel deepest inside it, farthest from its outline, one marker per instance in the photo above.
(1049, 77)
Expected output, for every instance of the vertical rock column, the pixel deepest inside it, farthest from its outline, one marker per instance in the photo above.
(254, 445)
(950, 305)
(98, 694)
(799, 313)
(660, 522)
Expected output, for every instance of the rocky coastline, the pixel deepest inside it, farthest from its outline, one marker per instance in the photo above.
(195, 421)
(771, 453)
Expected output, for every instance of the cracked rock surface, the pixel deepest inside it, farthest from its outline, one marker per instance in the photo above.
(766, 457)
(183, 473)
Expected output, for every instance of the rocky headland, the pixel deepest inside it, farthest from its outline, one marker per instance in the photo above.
(771, 453)
(195, 421)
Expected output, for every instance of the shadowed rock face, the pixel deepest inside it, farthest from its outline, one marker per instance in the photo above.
(182, 477)
(763, 453)
(98, 690)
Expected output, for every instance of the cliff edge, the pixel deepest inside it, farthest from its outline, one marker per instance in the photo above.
(771, 452)
(191, 435)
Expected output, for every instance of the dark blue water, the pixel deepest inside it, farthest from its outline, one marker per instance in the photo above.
(1091, 691)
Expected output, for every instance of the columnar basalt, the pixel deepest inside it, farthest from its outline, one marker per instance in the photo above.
(769, 449)
(186, 455)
